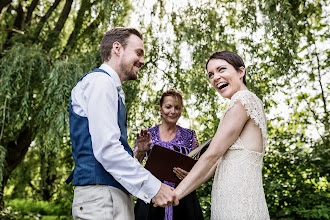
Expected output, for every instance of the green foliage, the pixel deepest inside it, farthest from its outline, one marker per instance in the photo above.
(293, 180)
(204, 197)
(23, 71)
(10, 214)
(33, 209)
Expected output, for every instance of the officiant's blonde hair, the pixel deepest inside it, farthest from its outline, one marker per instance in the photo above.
(174, 93)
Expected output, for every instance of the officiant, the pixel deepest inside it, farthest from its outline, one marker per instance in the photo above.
(170, 135)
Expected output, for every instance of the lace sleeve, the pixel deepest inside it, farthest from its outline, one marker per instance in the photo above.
(253, 106)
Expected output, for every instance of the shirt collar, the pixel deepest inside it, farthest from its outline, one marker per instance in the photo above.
(112, 73)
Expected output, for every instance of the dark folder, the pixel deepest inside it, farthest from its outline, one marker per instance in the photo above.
(161, 162)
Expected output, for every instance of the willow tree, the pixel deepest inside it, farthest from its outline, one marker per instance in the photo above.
(46, 46)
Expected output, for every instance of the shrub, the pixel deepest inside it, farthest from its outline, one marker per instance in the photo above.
(27, 207)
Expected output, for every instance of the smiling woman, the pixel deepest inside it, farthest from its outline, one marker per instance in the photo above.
(170, 135)
(226, 71)
(236, 152)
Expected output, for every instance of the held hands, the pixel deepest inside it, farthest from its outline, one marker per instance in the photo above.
(165, 197)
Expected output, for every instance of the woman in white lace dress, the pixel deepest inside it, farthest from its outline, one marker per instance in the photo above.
(236, 152)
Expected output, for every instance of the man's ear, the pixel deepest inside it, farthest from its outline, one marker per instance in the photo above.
(116, 48)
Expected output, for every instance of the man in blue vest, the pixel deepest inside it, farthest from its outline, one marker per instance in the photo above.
(106, 173)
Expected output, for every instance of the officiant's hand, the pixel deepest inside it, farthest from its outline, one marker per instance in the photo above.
(143, 142)
(180, 173)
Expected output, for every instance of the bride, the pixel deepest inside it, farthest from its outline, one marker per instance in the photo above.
(236, 152)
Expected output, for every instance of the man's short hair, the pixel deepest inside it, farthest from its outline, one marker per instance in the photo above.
(119, 35)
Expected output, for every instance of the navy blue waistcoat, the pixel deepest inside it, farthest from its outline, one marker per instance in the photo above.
(88, 171)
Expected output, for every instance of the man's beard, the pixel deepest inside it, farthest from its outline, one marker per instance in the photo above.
(127, 71)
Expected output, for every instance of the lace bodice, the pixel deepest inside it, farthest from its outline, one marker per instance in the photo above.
(237, 191)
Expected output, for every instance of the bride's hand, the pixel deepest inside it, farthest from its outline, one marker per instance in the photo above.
(176, 199)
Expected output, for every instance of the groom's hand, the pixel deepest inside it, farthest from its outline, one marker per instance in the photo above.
(164, 197)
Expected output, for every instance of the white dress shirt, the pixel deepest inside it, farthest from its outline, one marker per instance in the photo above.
(96, 98)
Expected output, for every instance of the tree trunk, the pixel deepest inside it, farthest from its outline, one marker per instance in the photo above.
(17, 25)
(16, 150)
(47, 174)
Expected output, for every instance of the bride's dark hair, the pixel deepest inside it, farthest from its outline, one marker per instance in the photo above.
(232, 58)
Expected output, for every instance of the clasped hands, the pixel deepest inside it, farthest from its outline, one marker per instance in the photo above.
(166, 195)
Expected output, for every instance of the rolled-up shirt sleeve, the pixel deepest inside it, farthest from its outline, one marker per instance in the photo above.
(101, 109)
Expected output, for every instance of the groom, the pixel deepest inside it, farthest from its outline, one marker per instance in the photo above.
(106, 173)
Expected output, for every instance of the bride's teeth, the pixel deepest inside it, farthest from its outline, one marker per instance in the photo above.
(222, 85)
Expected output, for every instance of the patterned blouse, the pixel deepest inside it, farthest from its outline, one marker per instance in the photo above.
(185, 140)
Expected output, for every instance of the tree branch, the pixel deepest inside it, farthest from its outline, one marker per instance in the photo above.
(13, 30)
(44, 19)
(94, 25)
(17, 24)
(59, 26)
(85, 6)
(3, 118)
(322, 90)
(314, 116)
(3, 6)
(31, 8)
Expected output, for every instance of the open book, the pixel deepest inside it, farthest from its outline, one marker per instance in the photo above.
(161, 161)
(197, 152)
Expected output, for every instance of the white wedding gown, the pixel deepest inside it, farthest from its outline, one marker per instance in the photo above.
(237, 191)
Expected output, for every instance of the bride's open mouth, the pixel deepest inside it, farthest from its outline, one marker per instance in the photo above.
(222, 85)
